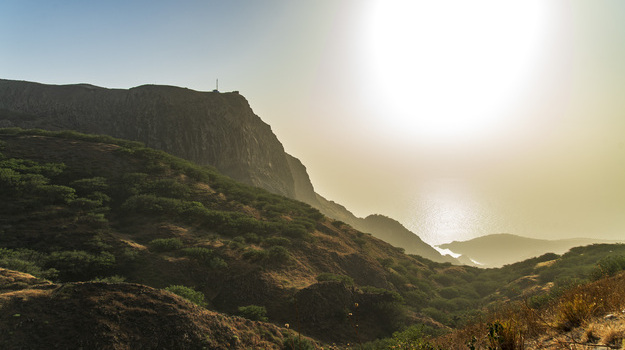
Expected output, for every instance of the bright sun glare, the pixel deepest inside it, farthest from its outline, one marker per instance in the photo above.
(445, 70)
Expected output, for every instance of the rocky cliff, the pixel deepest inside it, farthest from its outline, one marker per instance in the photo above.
(209, 128)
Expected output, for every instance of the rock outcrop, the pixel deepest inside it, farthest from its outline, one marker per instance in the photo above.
(209, 128)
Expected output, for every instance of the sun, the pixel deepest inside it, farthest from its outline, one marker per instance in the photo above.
(445, 71)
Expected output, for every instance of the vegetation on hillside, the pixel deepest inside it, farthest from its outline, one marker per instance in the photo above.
(81, 207)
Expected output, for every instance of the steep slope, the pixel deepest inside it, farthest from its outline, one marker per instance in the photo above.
(500, 249)
(208, 128)
(76, 207)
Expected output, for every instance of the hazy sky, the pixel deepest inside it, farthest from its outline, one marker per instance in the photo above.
(458, 118)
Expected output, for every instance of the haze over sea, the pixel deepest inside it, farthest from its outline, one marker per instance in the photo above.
(447, 209)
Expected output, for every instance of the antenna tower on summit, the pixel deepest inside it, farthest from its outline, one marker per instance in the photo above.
(216, 86)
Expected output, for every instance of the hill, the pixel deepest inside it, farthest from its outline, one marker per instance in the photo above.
(78, 207)
(37, 314)
(207, 128)
(497, 250)
(82, 208)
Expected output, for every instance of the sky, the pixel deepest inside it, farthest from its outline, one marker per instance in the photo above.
(457, 118)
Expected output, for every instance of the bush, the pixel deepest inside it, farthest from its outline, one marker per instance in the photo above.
(326, 276)
(416, 298)
(296, 343)
(278, 254)
(251, 237)
(609, 266)
(449, 292)
(217, 263)
(282, 241)
(204, 255)
(188, 293)
(198, 253)
(413, 338)
(79, 265)
(254, 312)
(26, 260)
(295, 231)
(90, 185)
(166, 244)
(56, 194)
(255, 254)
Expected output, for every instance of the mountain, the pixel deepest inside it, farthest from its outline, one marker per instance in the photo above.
(500, 249)
(208, 128)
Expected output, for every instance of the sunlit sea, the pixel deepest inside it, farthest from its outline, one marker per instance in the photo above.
(446, 210)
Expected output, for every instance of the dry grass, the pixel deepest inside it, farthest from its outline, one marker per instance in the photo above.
(578, 319)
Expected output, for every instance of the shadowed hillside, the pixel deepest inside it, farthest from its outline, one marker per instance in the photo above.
(36, 314)
(77, 208)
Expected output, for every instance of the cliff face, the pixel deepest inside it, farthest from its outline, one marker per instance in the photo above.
(209, 128)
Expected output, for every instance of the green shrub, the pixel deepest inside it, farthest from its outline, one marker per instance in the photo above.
(416, 298)
(166, 244)
(449, 292)
(251, 237)
(205, 255)
(78, 265)
(281, 241)
(217, 263)
(326, 276)
(295, 231)
(437, 314)
(90, 185)
(198, 253)
(188, 293)
(26, 260)
(609, 266)
(278, 254)
(413, 338)
(256, 255)
(296, 343)
(254, 312)
(56, 194)
(391, 295)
